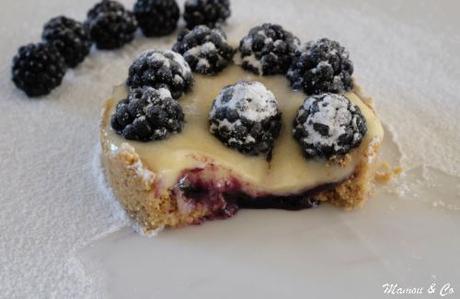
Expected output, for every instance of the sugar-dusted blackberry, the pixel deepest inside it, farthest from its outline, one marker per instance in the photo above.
(157, 17)
(70, 37)
(328, 125)
(148, 114)
(206, 50)
(321, 66)
(157, 68)
(245, 116)
(268, 49)
(38, 69)
(211, 13)
(110, 25)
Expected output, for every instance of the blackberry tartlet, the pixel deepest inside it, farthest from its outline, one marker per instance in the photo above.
(161, 69)
(236, 151)
(268, 49)
(157, 17)
(206, 50)
(110, 25)
(70, 37)
(321, 66)
(245, 117)
(38, 69)
(211, 13)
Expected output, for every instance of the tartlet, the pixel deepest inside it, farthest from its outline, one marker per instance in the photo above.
(192, 177)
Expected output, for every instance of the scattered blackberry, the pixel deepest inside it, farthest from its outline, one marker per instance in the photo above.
(268, 49)
(158, 68)
(321, 66)
(38, 69)
(70, 37)
(148, 114)
(329, 125)
(245, 117)
(110, 25)
(206, 12)
(157, 17)
(206, 50)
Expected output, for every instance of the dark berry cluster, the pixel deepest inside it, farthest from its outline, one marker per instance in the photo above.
(328, 125)
(70, 37)
(211, 13)
(158, 69)
(321, 66)
(268, 49)
(110, 25)
(206, 50)
(245, 116)
(148, 114)
(157, 17)
(38, 69)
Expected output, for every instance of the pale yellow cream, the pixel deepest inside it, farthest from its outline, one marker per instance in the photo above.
(288, 172)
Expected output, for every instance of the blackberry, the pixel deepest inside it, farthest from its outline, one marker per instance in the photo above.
(268, 49)
(328, 125)
(158, 69)
(110, 25)
(206, 12)
(70, 37)
(206, 50)
(245, 117)
(148, 114)
(157, 17)
(38, 69)
(321, 66)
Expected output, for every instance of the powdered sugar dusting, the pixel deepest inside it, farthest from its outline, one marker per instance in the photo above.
(166, 57)
(164, 93)
(252, 100)
(251, 60)
(335, 113)
(184, 67)
(267, 49)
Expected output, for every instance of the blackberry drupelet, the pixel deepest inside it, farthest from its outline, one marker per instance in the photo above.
(245, 116)
(70, 37)
(148, 114)
(38, 69)
(328, 125)
(268, 49)
(110, 25)
(206, 50)
(105, 6)
(321, 66)
(157, 17)
(157, 68)
(211, 13)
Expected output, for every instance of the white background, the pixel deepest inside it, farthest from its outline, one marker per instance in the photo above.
(406, 55)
